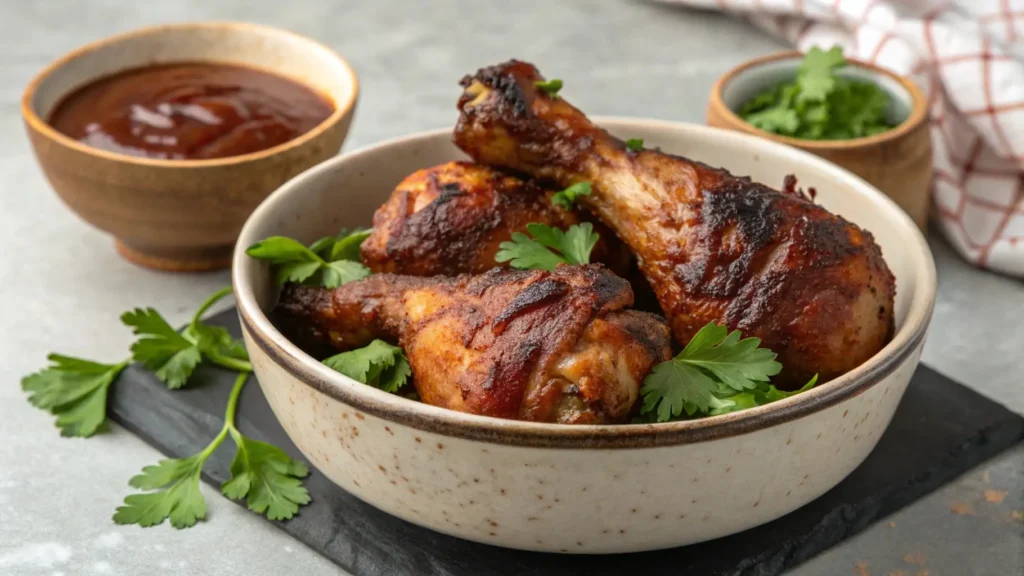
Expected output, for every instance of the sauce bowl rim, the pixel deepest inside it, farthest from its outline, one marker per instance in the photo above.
(42, 126)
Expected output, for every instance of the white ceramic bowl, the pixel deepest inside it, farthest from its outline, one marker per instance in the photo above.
(585, 489)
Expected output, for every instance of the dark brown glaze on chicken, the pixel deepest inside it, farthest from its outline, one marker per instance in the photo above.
(715, 247)
(523, 344)
(450, 219)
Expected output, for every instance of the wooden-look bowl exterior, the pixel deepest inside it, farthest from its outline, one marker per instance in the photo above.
(897, 162)
(179, 215)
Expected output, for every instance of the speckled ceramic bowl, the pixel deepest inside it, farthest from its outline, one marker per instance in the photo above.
(592, 489)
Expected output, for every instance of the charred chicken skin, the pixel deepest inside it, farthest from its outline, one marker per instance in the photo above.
(523, 344)
(450, 220)
(715, 247)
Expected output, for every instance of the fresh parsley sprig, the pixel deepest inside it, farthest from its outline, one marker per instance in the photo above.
(344, 246)
(819, 104)
(634, 144)
(717, 372)
(173, 355)
(567, 198)
(548, 247)
(262, 473)
(329, 262)
(549, 87)
(377, 364)
(75, 391)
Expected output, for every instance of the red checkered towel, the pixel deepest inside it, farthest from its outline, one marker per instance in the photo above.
(969, 58)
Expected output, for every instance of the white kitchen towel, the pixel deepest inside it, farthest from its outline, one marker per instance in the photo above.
(968, 56)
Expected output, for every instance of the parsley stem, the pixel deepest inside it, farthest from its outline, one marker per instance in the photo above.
(228, 362)
(209, 302)
(229, 417)
(213, 445)
(236, 391)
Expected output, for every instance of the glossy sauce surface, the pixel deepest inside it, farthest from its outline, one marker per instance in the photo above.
(190, 111)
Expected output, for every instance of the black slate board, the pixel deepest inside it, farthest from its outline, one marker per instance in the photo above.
(940, 430)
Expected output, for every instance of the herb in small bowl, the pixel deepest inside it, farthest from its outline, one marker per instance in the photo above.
(819, 104)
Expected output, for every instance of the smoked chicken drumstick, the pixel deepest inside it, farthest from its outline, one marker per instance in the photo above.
(450, 219)
(523, 344)
(715, 247)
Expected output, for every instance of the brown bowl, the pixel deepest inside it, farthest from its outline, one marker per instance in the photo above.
(183, 215)
(897, 162)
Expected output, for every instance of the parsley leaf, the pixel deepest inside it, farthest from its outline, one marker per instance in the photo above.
(268, 478)
(378, 364)
(777, 120)
(635, 144)
(549, 87)
(74, 390)
(528, 254)
(344, 246)
(161, 348)
(739, 364)
(549, 247)
(819, 104)
(329, 262)
(717, 372)
(567, 198)
(340, 272)
(260, 472)
(173, 355)
(178, 498)
(763, 394)
(673, 387)
(814, 76)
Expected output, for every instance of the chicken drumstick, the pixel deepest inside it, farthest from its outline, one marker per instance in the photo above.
(449, 220)
(715, 247)
(522, 344)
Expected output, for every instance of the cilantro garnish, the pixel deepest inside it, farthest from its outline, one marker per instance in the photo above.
(378, 364)
(260, 472)
(329, 262)
(820, 105)
(717, 372)
(549, 87)
(548, 247)
(567, 198)
(634, 144)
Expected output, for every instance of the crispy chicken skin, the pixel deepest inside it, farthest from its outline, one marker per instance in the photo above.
(449, 220)
(522, 344)
(715, 247)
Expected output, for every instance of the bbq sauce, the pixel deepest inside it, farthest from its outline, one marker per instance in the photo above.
(190, 111)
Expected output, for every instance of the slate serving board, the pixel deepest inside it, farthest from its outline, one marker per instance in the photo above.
(940, 430)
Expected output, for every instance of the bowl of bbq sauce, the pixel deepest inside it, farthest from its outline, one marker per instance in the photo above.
(169, 137)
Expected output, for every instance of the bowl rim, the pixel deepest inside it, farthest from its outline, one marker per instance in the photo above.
(917, 117)
(40, 125)
(390, 407)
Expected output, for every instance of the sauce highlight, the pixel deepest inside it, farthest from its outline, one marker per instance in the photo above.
(190, 111)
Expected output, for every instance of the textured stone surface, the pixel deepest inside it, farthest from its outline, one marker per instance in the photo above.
(64, 286)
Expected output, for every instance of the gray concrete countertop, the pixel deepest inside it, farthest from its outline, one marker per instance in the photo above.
(64, 287)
